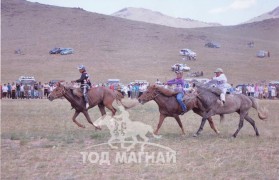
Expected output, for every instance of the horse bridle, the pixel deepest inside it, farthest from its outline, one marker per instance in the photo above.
(153, 96)
(61, 92)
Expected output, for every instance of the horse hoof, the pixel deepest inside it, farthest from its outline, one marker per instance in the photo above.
(195, 135)
(82, 126)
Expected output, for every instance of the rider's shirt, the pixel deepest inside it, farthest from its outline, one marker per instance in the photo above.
(84, 79)
(179, 84)
(221, 81)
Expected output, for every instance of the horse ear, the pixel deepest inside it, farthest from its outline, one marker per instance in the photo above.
(58, 84)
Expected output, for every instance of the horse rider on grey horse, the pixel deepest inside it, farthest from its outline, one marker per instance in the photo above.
(221, 80)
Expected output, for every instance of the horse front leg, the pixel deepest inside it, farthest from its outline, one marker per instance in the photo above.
(207, 115)
(161, 120)
(74, 120)
(212, 125)
(89, 120)
(200, 128)
(180, 124)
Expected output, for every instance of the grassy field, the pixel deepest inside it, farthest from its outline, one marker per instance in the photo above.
(40, 141)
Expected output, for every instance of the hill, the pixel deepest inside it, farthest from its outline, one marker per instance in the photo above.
(153, 17)
(269, 15)
(112, 47)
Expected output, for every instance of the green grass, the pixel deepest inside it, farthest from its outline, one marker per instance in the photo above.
(50, 145)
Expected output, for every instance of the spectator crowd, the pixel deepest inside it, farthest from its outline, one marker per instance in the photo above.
(133, 90)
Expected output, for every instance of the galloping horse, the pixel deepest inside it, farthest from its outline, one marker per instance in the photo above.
(101, 96)
(234, 103)
(169, 107)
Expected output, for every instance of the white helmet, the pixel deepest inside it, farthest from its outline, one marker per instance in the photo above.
(81, 67)
(218, 70)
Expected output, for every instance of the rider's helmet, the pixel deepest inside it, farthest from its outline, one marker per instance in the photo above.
(81, 67)
(218, 70)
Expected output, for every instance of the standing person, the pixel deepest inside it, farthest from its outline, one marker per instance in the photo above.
(273, 92)
(232, 89)
(265, 92)
(269, 91)
(17, 90)
(21, 91)
(252, 90)
(179, 82)
(13, 90)
(5, 90)
(85, 83)
(256, 90)
(221, 79)
(9, 93)
(261, 91)
(40, 90)
(46, 89)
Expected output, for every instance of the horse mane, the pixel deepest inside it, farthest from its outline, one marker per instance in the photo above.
(214, 90)
(165, 91)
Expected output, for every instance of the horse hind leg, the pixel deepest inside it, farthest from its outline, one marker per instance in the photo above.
(111, 108)
(252, 122)
(89, 119)
(74, 120)
(102, 109)
(240, 125)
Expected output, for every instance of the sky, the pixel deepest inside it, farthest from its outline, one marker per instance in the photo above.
(225, 12)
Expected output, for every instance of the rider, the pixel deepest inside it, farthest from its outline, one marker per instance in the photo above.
(221, 79)
(179, 88)
(85, 83)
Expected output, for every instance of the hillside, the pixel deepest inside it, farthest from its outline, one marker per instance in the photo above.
(145, 15)
(112, 47)
(269, 15)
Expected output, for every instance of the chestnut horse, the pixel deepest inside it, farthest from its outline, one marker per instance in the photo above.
(169, 107)
(101, 96)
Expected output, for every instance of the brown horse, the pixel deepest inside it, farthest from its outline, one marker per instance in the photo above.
(101, 96)
(169, 107)
(234, 103)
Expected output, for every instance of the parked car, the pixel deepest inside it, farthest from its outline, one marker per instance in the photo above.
(55, 51)
(262, 54)
(212, 45)
(66, 51)
(180, 67)
(188, 52)
(29, 80)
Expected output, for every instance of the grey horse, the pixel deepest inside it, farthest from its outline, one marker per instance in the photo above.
(239, 103)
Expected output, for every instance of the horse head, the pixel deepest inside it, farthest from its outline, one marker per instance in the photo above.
(58, 92)
(149, 94)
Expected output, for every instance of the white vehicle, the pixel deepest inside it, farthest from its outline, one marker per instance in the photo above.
(180, 67)
(188, 52)
(29, 80)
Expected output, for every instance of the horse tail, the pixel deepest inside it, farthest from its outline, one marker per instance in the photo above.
(262, 112)
(119, 97)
